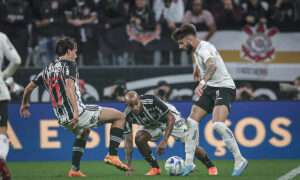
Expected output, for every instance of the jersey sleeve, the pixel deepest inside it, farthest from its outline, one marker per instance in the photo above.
(38, 79)
(161, 106)
(206, 54)
(10, 52)
(70, 70)
(128, 126)
(128, 122)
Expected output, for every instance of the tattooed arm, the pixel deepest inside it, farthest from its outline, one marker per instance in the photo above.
(210, 70)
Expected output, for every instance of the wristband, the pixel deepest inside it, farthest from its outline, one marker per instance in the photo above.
(202, 82)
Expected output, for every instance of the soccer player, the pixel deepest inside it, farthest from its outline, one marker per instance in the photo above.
(216, 91)
(8, 51)
(61, 80)
(155, 116)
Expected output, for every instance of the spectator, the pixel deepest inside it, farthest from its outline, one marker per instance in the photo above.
(81, 16)
(163, 90)
(17, 16)
(16, 90)
(293, 89)
(111, 24)
(118, 91)
(201, 18)
(169, 14)
(142, 21)
(227, 14)
(245, 92)
(255, 11)
(49, 25)
(286, 15)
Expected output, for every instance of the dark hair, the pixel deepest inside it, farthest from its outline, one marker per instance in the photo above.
(297, 78)
(63, 45)
(183, 31)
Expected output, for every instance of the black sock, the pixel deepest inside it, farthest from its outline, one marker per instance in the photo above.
(206, 161)
(116, 135)
(78, 149)
(152, 161)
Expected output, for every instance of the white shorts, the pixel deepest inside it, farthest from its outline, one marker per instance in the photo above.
(179, 131)
(88, 119)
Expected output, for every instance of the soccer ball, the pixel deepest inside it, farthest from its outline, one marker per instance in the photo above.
(174, 166)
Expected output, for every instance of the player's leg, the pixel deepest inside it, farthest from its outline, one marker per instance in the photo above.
(78, 150)
(199, 110)
(117, 118)
(4, 143)
(179, 134)
(141, 140)
(220, 114)
(203, 157)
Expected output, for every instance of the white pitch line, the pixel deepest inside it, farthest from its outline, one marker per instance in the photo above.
(291, 174)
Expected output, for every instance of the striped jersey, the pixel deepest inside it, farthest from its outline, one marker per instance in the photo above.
(152, 114)
(53, 78)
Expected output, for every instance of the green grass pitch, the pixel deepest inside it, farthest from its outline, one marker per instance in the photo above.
(257, 169)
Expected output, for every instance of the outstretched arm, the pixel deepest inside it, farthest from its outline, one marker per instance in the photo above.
(24, 111)
(161, 148)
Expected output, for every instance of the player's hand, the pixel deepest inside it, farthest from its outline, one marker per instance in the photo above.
(199, 90)
(161, 148)
(131, 170)
(74, 121)
(196, 75)
(24, 111)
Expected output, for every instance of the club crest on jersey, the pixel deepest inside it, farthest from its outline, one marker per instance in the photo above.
(259, 47)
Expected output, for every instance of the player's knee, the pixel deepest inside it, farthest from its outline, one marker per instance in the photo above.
(85, 134)
(140, 139)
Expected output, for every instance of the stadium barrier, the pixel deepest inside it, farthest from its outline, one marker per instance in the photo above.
(264, 130)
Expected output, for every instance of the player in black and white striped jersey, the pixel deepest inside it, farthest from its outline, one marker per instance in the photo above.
(154, 116)
(61, 80)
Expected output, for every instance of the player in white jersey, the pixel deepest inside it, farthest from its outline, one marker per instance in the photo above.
(8, 51)
(216, 91)
(60, 78)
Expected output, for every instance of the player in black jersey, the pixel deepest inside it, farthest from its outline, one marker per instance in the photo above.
(60, 78)
(155, 116)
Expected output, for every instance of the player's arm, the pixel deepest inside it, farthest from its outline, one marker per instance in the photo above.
(196, 74)
(169, 128)
(70, 90)
(128, 148)
(24, 111)
(12, 55)
(210, 70)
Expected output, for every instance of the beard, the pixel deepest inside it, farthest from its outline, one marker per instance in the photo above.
(189, 49)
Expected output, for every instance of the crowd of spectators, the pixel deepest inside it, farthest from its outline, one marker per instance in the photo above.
(101, 27)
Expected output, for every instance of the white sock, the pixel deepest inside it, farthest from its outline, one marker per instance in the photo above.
(4, 146)
(191, 140)
(228, 138)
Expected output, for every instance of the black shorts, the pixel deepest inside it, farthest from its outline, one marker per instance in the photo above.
(3, 113)
(216, 96)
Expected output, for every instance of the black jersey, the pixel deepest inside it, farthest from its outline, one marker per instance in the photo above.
(53, 78)
(152, 114)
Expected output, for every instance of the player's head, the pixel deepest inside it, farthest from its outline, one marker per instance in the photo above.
(184, 35)
(133, 102)
(66, 46)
